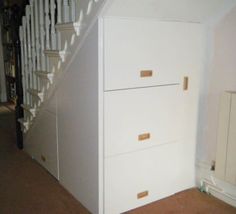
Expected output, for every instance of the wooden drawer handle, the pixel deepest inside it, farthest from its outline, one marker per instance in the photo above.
(43, 158)
(144, 136)
(146, 73)
(142, 194)
(185, 83)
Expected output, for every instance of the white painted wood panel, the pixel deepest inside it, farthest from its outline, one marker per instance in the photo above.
(230, 171)
(157, 170)
(169, 49)
(157, 111)
(48, 147)
(78, 125)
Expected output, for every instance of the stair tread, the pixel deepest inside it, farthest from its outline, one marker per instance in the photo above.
(37, 93)
(23, 121)
(49, 51)
(44, 73)
(56, 53)
(40, 71)
(31, 90)
(26, 106)
(68, 24)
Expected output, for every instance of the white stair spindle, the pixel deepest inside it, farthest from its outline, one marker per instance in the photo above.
(72, 10)
(59, 12)
(25, 61)
(47, 24)
(22, 64)
(42, 36)
(53, 30)
(32, 17)
(65, 11)
(77, 5)
(29, 48)
(37, 44)
(59, 20)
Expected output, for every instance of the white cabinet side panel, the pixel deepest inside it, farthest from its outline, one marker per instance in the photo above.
(78, 125)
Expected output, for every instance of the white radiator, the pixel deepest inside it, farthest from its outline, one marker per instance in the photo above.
(226, 145)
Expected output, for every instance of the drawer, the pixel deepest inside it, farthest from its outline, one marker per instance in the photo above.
(142, 118)
(140, 53)
(138, 178)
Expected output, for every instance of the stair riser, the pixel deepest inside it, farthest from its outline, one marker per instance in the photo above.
(67, 39)
(45, 84)
(54, 64)
(29, 114)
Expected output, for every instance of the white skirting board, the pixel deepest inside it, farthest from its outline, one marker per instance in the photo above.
(207, 182)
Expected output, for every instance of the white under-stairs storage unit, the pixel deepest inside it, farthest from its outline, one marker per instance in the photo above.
(114, 113)
(150, 111)
(133, 104)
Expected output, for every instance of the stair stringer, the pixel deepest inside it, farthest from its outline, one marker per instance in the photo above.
(72, 42)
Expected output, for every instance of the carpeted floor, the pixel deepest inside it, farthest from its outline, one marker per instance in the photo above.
(26, 188)
(190, 201)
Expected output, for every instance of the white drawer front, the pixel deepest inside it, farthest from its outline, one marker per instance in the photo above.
(141, 118)
(149, 174)
(164, 50)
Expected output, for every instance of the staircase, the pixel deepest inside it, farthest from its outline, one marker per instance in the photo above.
(51, 33)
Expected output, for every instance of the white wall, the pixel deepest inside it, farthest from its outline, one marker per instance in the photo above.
(221, 76)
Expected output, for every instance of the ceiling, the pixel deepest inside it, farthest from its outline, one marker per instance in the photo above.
(179, 10)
